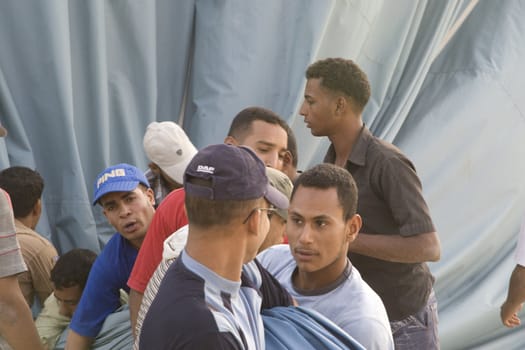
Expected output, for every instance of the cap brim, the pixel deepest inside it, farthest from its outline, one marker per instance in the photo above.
(276, 198)
(176, 172)
(3, 131)
(121, 186)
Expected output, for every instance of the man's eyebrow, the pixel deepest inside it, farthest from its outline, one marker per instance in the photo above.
(264, 142)
(317, 217)
(127, 194)
(322, 216)
(293, 212)
(108, 203)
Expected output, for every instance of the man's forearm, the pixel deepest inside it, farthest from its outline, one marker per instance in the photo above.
(515, 297)
(395, 248)
(16, 322)
(135, 299)
(76, 341)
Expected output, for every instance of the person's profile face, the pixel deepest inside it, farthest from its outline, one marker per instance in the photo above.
(268, 141)
(276, 232)
(318, 109)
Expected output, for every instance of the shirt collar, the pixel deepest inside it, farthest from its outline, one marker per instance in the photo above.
(358, 154)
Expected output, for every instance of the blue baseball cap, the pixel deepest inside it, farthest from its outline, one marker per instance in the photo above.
(118, 178)
(234, 173)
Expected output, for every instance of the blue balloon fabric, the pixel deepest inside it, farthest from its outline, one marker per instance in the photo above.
(302, 328)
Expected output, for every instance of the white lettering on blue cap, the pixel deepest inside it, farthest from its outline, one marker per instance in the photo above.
(113, 173)
(205, 169)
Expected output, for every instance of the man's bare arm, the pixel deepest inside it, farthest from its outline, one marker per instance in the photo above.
(76, 341)
(515, 298)
(16, 322)
(135, 299)
(395, 248)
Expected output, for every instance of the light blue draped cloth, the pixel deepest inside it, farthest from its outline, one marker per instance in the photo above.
(302, 328)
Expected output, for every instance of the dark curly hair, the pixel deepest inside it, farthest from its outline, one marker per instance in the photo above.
(25, 187)
(344, 76)
(72, 268)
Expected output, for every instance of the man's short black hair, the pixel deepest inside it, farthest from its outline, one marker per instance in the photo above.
(72, 268)
(242, 123)
(25, 187)
(326, 176)
(343, 76)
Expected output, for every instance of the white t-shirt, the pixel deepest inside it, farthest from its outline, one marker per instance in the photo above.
(350, 303)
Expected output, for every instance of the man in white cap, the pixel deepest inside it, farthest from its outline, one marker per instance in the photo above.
(170, 150)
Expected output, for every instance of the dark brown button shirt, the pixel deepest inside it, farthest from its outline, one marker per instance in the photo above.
(390, 203)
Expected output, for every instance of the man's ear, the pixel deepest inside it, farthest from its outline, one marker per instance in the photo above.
(253, 223)
(353, 225)
(341, 105)
(150, 195)
(37, 208)
(230, 140)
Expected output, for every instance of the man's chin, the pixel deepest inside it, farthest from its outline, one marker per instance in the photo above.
(316, 133)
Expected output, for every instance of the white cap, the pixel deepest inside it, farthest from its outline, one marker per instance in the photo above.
(168, 146)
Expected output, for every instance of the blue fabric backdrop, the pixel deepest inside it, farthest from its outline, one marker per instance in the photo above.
(80, 80)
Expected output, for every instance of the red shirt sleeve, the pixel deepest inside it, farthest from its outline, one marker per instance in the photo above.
(169, 217)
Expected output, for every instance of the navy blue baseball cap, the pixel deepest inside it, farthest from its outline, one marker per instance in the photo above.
(234, 173)
(118, 178)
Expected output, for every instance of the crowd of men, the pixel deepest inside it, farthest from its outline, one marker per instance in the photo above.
(208, 240)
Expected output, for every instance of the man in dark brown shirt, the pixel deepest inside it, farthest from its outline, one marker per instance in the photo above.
(397, 236)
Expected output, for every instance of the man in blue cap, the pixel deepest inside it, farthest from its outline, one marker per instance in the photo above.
(208, 299)
(127, 201)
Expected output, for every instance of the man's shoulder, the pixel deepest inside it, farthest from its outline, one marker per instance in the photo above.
(33, 243)
(277, 258)
(362, 293)
(279, 251)
(170, 213)
(167, 320)
(181, 293)
(383, 150)
(175, 197)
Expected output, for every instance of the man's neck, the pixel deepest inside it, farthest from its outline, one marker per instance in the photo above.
(321, 279)
(28, 221)
(222, 253)
(345, 138)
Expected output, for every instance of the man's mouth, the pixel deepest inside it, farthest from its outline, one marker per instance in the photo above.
(304, 254)
(130, 226)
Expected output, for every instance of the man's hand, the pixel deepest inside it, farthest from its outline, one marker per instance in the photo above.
(509, 314)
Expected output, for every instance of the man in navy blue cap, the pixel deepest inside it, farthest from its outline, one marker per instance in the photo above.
(128, 203)
(208, 299)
